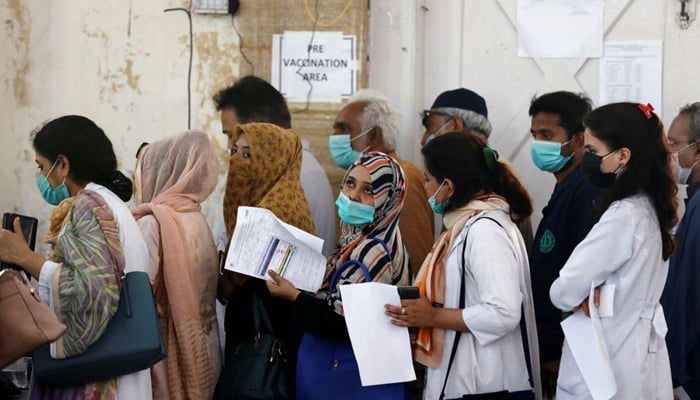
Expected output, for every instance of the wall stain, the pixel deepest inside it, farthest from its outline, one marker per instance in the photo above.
(19, 29)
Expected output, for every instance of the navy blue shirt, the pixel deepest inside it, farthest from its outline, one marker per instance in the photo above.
(565, 222)
(681, 299)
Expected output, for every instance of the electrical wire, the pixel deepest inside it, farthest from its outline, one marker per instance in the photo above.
(308, 56)
(240, 44)
(189, 69)
(314, 17)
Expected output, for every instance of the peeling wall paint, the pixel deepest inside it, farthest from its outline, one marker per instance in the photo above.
(18, 28)
(121, 63)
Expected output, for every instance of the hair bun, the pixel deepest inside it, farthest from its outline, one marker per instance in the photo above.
(121, 186)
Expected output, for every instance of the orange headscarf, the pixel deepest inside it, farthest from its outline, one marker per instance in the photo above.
(271, 178)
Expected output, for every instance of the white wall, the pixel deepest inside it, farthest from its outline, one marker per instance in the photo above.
(122, 63)
(421, 48)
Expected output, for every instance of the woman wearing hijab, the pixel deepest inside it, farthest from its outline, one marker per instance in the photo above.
(264, 171)
(369, 205)
(173, 177)
(475, 282)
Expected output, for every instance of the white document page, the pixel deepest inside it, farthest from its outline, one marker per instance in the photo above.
(584, 337)
(382, 350)
(560, 28)
(681, 393)
(632, 71)
(262, 242)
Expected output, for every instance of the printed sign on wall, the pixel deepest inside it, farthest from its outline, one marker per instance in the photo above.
(314, 66)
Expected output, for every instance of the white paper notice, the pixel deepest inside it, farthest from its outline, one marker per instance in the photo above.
(314, 66)
(632, 71)
(262, 242)
(584, 337)
(560, 28)
(382, 350)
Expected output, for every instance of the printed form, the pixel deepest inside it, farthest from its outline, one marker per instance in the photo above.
(262, 242)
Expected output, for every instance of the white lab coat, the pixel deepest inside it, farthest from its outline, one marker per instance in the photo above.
(624, 248)
(490, 357)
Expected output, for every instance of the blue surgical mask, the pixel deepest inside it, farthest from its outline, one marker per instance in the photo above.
(53, 196)
(547, 155)
(353, 212)
(341, 149)
(437, 208)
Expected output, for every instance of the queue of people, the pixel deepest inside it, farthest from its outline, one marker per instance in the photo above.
(491, 295)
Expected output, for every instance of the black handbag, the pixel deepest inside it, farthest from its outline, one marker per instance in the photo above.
(500, 395)
(131, 342)
(256, 369)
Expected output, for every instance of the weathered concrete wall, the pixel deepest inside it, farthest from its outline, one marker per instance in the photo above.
(122, 63)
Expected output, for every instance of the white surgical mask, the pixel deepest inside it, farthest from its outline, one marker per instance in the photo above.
(437, 132)
(682, 174)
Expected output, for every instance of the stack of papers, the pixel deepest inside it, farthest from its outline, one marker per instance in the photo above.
(262, 242)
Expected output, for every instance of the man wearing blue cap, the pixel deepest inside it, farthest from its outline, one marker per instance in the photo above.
(458, 110)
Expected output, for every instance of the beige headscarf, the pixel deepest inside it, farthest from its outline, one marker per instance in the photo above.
(176, 175)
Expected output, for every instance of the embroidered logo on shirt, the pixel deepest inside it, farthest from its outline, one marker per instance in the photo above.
(547, 242)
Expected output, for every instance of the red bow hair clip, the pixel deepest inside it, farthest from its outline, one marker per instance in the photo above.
(646, 109)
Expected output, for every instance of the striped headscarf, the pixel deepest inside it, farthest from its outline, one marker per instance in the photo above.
(272, 178)
(358, 242)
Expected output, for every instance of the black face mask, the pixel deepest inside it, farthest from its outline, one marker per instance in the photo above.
(590, 166)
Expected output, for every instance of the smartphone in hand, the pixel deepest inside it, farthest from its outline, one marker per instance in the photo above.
(29, 227)
(408, 292)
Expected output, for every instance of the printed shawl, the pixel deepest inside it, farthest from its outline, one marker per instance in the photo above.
(176, 174)
(86, 286)
(358, 242)
(271, 178)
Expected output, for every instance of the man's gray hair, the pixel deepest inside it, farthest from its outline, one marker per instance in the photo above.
(378, 112)
(693, 109)
(472, 121)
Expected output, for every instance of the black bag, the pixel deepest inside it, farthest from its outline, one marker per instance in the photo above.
(256, 369)
(131, 342)
(500, 395)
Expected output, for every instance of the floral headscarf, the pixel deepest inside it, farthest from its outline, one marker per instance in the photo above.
(271, 179)
(360, 242)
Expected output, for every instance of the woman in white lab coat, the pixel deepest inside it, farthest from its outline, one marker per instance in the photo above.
(626, 252)
(481, 246)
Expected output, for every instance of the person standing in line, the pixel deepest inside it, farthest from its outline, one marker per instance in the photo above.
(475, 296)
(681, 297)
(173, 177)
(626, 251)
(557, 148)
(369, 123)
(93, 240)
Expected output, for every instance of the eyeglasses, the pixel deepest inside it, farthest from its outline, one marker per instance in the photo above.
(427, 113)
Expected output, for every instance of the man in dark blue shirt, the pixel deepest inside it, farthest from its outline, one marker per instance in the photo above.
(557, 147)
(681, 296)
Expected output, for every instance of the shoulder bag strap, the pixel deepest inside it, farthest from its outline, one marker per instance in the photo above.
(461, 306)
(259, 314)
(458, 334)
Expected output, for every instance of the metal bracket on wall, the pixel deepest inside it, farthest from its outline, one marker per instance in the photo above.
(685, 13)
